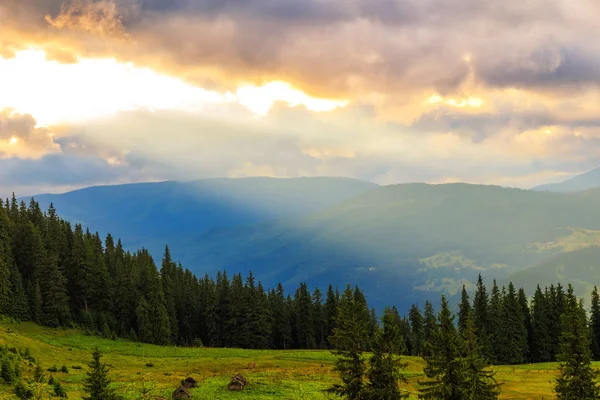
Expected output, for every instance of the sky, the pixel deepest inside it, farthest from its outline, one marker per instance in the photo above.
(114, 91)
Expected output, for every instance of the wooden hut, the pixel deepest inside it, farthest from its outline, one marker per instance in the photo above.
(182, 393)
(190, 383)
(238, 382)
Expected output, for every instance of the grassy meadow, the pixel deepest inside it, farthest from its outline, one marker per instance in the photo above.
(294, 374)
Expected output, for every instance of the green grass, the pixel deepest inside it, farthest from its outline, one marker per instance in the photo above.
(294, 374)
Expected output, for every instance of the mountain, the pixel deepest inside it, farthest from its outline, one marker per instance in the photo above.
(154, 214)
(578, 183)
(400, 243)
(405, 242)
(580, 268)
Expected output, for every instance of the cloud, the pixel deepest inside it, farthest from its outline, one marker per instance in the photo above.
(515, 87)
(332, 48)
(19, 135)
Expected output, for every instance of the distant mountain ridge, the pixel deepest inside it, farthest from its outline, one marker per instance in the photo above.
(588, 180)
(153, 214)
(400, 243)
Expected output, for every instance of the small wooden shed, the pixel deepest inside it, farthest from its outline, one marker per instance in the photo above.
(190, 383)
(182, 393)
(237, 383)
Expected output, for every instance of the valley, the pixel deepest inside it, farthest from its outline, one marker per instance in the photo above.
(416, 239)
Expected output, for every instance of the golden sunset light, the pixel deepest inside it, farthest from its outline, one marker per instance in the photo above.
(96, 88)
(198, 189)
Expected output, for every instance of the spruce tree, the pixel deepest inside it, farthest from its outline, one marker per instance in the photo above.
(429, 326)
(97, 382)
(417, 326)
(513, 332)
(524, 305)
(6, 262)
(495, 318)
(330, 313)
(319, 319)
(444, 364)
(595, 324)
(19, 307)
(282, 329)
(349, 336)
(464, 311)
(384, 372)
(541, 346)
(481, 318)
(577, 377)
(480, 383)
(304, 318)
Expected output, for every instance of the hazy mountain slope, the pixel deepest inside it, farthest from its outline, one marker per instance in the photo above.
(578, 183)
(405, 237)
(581, 268)
(152, 214)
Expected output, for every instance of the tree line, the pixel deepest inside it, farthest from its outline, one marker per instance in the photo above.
(58, 275)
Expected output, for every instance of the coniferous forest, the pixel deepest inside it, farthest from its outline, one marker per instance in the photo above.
(56, 274)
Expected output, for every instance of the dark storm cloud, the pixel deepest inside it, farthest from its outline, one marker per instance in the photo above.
(346, 46)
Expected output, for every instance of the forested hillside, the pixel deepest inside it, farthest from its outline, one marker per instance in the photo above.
(56, 275)
(417, 238)
(151, 214)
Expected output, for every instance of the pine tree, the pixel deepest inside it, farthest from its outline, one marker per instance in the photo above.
(495, 318)
(595, 324)
(464, 311)
(319, 319)
(541, 346)
(282, 329)
(429, 326)
(19, 304)
(349, 336)
(524, 305)
(304, 318)
(417, 326)
(96, 385)
(144, 324)
(444, 364)
(385, 365)
(513, 332)
(577, 377)
(330, 313)
(480, 383)
(481, 318)
(6, 261)
(167, 275)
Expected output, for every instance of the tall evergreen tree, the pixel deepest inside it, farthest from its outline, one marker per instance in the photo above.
(495, 324)
(480, 383)
(541, 345)
(481, 318)
(417, 326)
(444, 364)
(319, 319)
(304, 318)
(282, 329)
(384, 372)
(97, 382)
(168, 277)
(513, 333)
(429, 327)
(595, 324)
(349, 336)
(330, 312)
(524, 305)
(577, 377)
(464, 311)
